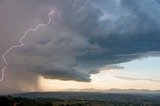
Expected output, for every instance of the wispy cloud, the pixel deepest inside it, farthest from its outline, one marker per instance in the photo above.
(135, 79)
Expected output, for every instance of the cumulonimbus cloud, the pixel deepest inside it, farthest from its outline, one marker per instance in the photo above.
(86, 35)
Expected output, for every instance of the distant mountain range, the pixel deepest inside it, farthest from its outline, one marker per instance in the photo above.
(132, 91)
(142, 91)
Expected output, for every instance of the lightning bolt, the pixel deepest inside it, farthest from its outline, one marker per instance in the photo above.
(21, 43)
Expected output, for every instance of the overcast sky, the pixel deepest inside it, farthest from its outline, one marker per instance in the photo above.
(86, 40)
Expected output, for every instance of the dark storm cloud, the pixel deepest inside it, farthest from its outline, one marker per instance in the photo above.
(86, 35)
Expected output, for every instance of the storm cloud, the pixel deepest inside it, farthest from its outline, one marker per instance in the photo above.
(86, 35)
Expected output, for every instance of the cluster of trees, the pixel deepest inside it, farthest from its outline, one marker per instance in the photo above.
(19, 101)
(7, 101)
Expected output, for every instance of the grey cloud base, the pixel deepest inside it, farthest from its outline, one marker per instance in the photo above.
(86, 35)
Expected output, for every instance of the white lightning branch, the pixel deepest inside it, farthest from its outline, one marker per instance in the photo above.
(21, 43)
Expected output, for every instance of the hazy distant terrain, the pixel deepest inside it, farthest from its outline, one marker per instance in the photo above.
(81, 99)
(90, 96)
